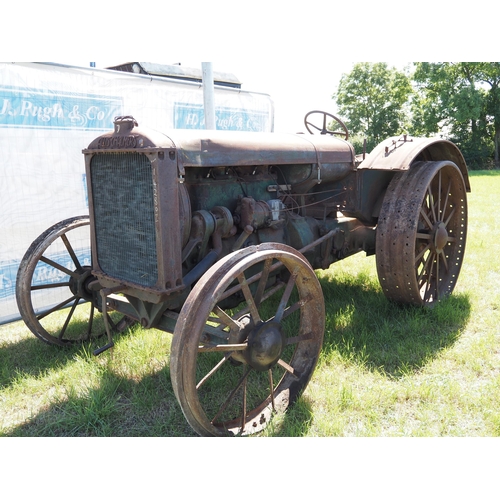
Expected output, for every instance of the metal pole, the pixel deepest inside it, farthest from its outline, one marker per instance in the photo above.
(208, 95)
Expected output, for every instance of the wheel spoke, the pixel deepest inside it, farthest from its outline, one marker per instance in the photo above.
(274, 289)
(439, 197)
(254, 312)
(419, 256)
(428, 284)
(222, 347)
(437, 276)
(225, 318)
(271, 388)
(212, 371)
(423, 236)
(71, 252)
(51, 285)
(70, 314)
(224, 405)
(450, 216)
(448, 190)
(286, 295)
(423, 272)
(210, 331)
(288, 368)
(269, 293)
(445, 260)
(56, 308)
(294, 307)
(263, 281)
(299, 338)
(58, 266)
(249, 281)
(431, 202)
(426, 218)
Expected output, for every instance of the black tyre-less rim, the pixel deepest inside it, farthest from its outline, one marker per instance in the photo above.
(421, 233)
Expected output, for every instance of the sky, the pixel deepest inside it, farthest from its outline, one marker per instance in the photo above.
(294, 51)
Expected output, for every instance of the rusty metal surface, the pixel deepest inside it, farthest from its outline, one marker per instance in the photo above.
(266, 364)
(127, 134)
(398, 153)
(213, 148)
(193, 230)
(74, 289)
(138, 213)
(421, 233)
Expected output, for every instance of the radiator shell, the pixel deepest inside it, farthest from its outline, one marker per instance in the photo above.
(133, 186)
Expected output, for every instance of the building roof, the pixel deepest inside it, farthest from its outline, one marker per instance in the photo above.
(176, 71)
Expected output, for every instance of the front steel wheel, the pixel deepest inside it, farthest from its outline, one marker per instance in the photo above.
(53, 290)
(247, 340)
(421, 233)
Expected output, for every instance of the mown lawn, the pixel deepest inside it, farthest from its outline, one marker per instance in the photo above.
(385, 370)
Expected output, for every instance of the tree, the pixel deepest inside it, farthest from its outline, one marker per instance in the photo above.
(462, 101)
(373, 99)
(489, 74)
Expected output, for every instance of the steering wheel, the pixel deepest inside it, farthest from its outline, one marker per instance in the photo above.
(324, 131)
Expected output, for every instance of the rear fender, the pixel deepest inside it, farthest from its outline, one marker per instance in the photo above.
(399, 153)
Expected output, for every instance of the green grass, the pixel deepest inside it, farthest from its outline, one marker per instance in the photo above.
(384, 370)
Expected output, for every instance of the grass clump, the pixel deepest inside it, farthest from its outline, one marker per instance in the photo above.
(384, 370)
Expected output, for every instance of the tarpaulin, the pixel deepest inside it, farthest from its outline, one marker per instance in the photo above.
(49, 113)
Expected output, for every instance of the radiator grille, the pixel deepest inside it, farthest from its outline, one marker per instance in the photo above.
(122, 191)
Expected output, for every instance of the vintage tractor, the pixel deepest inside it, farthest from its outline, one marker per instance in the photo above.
(214, 236)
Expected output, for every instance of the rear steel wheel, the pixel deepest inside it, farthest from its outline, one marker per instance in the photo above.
(52, 288)
(421, 233)
(232, 368)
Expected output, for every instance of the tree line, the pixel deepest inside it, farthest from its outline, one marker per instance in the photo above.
(458, 101)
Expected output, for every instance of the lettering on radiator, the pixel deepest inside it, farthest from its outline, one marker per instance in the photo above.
(127, 141)
(155, 194)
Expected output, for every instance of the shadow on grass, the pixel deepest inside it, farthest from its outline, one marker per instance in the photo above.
(118, 407)
(363, 327)
(31, 356)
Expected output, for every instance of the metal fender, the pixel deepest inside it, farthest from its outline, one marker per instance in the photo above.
(399, 153)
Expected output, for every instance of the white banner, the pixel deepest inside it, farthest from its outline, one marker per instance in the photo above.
(49, 113)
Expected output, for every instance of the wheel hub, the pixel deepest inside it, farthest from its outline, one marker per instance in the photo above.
(265, 345)
(80, 286)
(440, 237)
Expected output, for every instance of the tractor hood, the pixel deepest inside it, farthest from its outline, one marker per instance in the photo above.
(211, 148)
(217, 148)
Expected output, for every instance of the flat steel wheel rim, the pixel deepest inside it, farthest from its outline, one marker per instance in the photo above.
(187, 352)
(74, 292)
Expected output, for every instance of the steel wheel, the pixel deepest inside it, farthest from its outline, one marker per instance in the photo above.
(421, 233)
(231, 368)
(52, 287)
